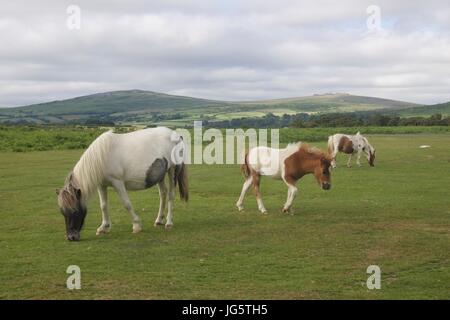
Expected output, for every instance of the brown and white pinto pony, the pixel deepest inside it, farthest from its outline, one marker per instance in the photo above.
(350, 144)
(289, 164)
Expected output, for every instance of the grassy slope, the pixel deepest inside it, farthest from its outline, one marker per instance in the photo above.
(136, 105)
(111, 102)
(443, 108)
(335, 101)
(394, 215)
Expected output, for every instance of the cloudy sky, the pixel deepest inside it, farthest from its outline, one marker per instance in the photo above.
(225, 49)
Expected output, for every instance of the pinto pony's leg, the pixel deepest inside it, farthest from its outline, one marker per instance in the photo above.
(333, 150)
(333, 161)
(349, 162)
(256, 183)
(358, 158)
(247, 172)
(162, 203)
(292, 192)
(122, 192)
(247, 184)
(106, 222)
(333, 155)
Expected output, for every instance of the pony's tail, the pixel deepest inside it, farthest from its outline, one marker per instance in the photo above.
(245, 169)
(181, 177)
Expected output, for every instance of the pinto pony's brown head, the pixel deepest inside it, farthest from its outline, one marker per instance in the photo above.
(322, 172)
(72, 208)
(318, 163)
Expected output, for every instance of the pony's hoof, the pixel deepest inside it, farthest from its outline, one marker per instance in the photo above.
(137, 228)
(263, 211)
(169, 226)
(158, 223)
(102, 230)
(286, 210)
(240, 208)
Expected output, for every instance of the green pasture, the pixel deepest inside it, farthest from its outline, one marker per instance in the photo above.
(43, 138)
(395, 215)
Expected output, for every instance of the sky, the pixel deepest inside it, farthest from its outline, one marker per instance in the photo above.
(225, 49)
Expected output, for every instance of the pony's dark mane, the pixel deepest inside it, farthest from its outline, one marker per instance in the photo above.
(67, 195)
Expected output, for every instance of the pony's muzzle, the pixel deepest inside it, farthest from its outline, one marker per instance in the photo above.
(73, 237)
(326, 185)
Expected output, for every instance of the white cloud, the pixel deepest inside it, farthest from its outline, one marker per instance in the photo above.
(225, 49)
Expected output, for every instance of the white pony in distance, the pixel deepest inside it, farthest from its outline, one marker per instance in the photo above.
(351, 144)
(131, 161)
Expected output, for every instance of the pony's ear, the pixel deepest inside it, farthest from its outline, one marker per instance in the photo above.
(358, 133)
(57, 192)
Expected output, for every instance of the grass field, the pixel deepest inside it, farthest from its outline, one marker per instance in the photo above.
(44, 138)
(395, 215)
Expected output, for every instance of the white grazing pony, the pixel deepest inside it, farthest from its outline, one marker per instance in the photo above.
(350, 144)
(131, 161)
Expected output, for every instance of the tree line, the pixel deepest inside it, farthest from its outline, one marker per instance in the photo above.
(305, 120)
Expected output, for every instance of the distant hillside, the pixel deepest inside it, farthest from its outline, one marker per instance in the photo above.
(334, 102)
(116, 101)
(442, 108)
(138, 106)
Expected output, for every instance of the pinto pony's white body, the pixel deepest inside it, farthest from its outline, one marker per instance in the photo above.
(130, 161)
(350, 144)
(270, 161)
